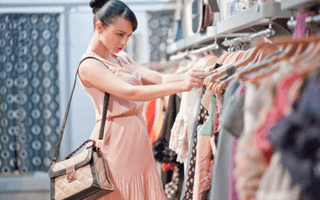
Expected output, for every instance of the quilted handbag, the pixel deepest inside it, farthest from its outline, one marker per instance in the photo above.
(86, 174)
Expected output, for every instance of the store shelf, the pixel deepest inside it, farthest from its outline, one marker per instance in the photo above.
(297, 4)
(197, 39)
(257, 15)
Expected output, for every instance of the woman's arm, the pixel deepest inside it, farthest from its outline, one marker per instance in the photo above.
(94, 74)
(151, 77)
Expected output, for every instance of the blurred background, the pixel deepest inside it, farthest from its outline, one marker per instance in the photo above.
(41, 42)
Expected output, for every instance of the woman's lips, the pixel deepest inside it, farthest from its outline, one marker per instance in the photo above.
(119, 48)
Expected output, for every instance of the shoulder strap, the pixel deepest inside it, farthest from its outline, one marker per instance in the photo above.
(104, 112)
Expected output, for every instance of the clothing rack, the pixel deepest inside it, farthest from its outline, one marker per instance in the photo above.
(179, 56)
(314, 19)
(196, 51)
(311, 19)
(264, 33)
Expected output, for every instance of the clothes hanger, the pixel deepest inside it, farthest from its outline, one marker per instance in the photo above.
(293, 53)
(261, 54)
(305, 54)
(252, 57)
(232, 56)
(225, 56)
(258, 53)
(220, 61)
(291, 48)
(304, 71)
(310, 56)
(272, 66)
(211, 83)
(294, 50)
(304, 67)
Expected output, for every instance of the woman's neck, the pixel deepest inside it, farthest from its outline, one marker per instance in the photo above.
(97, 47)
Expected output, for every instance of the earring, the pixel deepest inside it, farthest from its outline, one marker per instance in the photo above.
(99, 27)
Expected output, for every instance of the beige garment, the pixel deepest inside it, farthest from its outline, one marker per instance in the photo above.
(203, 159)
(178, 137)
(276, 182)
(126, 145)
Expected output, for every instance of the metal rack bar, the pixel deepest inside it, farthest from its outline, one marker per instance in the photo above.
(311, 19)
(193, 52)
(197, 39)
(314, 19)
(207, 48)
(264, 33)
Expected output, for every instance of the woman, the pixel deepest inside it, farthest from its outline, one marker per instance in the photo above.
(125, 144)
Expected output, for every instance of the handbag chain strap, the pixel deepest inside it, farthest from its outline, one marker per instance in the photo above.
(104, 112)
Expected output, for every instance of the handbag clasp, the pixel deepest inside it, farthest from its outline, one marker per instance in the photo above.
(71, 174)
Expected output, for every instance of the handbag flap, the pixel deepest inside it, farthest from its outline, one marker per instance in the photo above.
(77, 161)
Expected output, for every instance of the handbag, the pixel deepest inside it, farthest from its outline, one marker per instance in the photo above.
(85, 175)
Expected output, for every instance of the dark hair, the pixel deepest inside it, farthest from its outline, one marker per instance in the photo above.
(108, 10)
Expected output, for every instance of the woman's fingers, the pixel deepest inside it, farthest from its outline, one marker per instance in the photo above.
(195, 78)
(200, 74)
(198, 81)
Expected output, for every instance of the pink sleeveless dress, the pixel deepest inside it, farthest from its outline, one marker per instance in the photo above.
(126, 144)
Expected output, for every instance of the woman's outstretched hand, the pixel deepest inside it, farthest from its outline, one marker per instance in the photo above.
(193, 78)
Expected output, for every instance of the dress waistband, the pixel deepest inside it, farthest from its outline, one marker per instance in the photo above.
(119, 116)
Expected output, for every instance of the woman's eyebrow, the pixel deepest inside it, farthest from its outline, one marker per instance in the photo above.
(122, 31)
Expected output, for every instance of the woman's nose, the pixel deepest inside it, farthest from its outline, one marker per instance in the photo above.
(124, 41)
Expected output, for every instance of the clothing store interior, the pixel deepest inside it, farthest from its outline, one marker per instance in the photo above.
(234, 138)
(237, 137)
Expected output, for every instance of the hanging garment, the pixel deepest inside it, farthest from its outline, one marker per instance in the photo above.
(190, 175)
(161, 151)
(164, 154)
(234, 114)
(203, 159)
(132, 167)
(301, 29)
(171, 114)
(154, 118)
(171, 188)
(206, 146)
(297, 138)
(282, 105)
(179, 135)
(194, 102)
(206, 101)
(233, 195)
(257, 108)
(220, 180)
(247, 156)
(276, 182)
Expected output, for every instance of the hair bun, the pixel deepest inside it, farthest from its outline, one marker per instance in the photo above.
(97, 4)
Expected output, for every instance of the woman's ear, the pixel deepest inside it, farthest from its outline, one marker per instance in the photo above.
(98, 26)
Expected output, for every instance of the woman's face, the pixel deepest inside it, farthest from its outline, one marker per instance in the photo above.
(116, 35)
